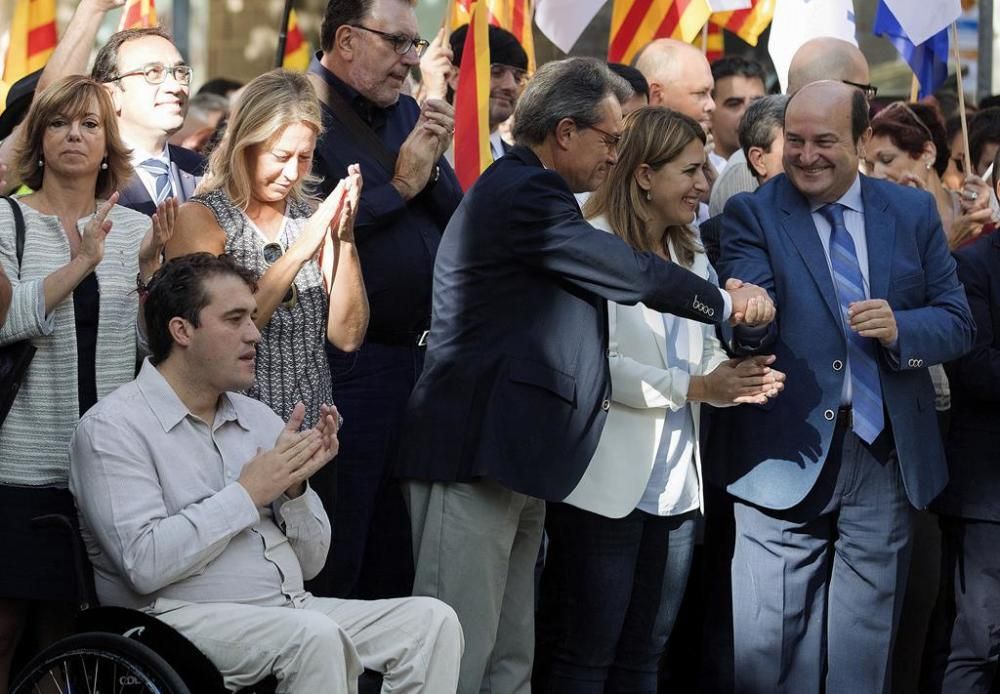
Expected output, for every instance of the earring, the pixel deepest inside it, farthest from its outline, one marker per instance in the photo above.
(41, 163)
(104, 164)
(649, 196)
(927, 165)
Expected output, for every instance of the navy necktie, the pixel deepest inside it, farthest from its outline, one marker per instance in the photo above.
(866, 388)
(161, 178)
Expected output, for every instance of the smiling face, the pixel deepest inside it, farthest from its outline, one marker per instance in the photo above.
(676, 187)
(276, 165)
(375, 69)
(73, 145)
(505, 87)
(152, 110)
(590, 153)
(820, 155)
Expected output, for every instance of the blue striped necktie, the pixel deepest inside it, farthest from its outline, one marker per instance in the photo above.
(161, 178)
(866, 389)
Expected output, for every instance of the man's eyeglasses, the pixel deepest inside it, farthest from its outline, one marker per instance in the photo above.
(611, 141)
(499, 70)
(401, 44)
(870, 90)
(156, 73)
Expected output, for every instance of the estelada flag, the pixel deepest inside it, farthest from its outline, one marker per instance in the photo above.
(32, 40)
(634, 23)
(138, 14)
(472, 102)
(748, 24)
(297, 53)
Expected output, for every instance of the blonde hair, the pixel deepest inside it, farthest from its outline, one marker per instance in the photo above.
(71, 97)
(268, 104)
(654, 136)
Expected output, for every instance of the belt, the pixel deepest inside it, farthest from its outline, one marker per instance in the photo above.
(398, 338)
(845, 417)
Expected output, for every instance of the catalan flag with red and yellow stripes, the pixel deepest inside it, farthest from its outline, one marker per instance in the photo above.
(32, 40)
(472, 101)
(513, 15)
(748, 24)
(634, 23)
(711, 42)
(297, 52)
(138, 14)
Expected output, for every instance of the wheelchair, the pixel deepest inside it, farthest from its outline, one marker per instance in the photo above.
(126, 651)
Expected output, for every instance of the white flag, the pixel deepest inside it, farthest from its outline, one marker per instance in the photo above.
(729, 5)
(798, 21)
(921, 19)
(562, 21)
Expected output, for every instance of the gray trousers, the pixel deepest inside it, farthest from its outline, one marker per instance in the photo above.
(324, 645)
(474, 546)
(817, 589)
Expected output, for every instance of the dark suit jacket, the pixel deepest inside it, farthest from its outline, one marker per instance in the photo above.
(776, 452)
(515, 387)
(187, 166)
(710, 231)
(973, 445)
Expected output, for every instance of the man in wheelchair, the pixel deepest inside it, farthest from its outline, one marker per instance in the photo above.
(195, 507)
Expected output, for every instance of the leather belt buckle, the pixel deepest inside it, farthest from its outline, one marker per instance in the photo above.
(422, 338)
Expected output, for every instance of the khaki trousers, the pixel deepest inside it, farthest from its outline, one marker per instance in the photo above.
(326, 644)
(475, 546)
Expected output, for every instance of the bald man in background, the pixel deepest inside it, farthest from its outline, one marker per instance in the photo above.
(679, 78)
(822, 58)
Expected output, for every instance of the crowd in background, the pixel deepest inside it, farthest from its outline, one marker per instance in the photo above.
(695, 389)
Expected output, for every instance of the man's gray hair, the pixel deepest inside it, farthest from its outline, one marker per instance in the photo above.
(572, 88)
(758, 124)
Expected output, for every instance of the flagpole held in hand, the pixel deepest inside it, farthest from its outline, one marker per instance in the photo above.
(279, 57)
(961, 99)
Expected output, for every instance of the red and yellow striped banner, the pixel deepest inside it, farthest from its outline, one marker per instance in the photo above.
(711, 42)
(748, 24)
(138, 14)
(513, 15)
(32, 38)
(472, 102)
(297, 51)
(634, 23)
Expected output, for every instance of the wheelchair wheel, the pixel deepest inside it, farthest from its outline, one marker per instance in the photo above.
(98, 662)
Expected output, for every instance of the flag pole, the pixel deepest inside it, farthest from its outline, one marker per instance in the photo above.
(449, 10)
(279, 57)
(961, 99)
(704, 39)
(914, 88)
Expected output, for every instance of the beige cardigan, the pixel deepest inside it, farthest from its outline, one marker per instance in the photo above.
(34, 440)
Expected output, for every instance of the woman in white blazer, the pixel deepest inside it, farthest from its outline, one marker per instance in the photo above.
(621, 542)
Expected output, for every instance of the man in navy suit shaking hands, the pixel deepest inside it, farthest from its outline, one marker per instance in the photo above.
(826, 477)
(515, 388)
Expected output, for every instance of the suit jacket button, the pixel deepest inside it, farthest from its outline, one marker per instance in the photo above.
(829, 415)
(606, 405)
(837, 365)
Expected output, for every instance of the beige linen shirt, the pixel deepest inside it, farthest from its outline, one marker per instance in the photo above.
(163, 516)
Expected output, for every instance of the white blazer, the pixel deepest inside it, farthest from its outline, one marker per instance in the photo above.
(643, 385)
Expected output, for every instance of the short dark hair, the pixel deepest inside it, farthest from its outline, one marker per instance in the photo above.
(632, 76)
(995, 176)
(989, 101)
(177, 290)
(106, 63)
(504, 47)
(759, 123)
(984, 129)
(732, 65)
(219, 85)
(341, 12)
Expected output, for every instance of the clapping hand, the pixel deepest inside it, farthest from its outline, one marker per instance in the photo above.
(96, 232)
(752, 306)
(348, 210)
(743, 381)
(155, 240)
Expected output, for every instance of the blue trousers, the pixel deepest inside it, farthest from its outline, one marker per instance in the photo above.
(620, 584)
(817, 589)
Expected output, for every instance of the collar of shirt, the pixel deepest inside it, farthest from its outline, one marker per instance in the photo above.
(139, 157)
(366, 110)
(851, 199)
(168, 407)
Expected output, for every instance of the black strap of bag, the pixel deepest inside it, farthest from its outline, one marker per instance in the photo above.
(14, 358)
(358, 130)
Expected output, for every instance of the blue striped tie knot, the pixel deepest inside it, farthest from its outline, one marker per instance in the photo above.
(161, 178)
(866, 387)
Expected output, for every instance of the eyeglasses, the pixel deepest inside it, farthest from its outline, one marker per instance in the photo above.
(611, 141)
(156, 73)
(271, 252)
(870, 90)
(401, 44)
(499, 70)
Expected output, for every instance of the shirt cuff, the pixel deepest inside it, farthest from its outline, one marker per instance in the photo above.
(727, 303)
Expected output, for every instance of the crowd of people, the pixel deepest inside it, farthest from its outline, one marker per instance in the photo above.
(321, 412)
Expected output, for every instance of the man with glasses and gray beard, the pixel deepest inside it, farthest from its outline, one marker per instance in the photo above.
(515, 391)
(368, 49)
(149, 82)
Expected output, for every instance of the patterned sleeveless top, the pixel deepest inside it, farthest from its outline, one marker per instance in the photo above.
(291, 361)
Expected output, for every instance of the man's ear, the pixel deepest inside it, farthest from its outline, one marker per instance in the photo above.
(181, 331)
(343, 42)
(565, 131)
(655, 94)
(116, 96)
(755, 155)
(862, 144)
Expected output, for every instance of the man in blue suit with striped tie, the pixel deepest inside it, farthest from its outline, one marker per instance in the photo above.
(826, 477)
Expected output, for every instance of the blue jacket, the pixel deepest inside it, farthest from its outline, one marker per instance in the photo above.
(774, 453)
